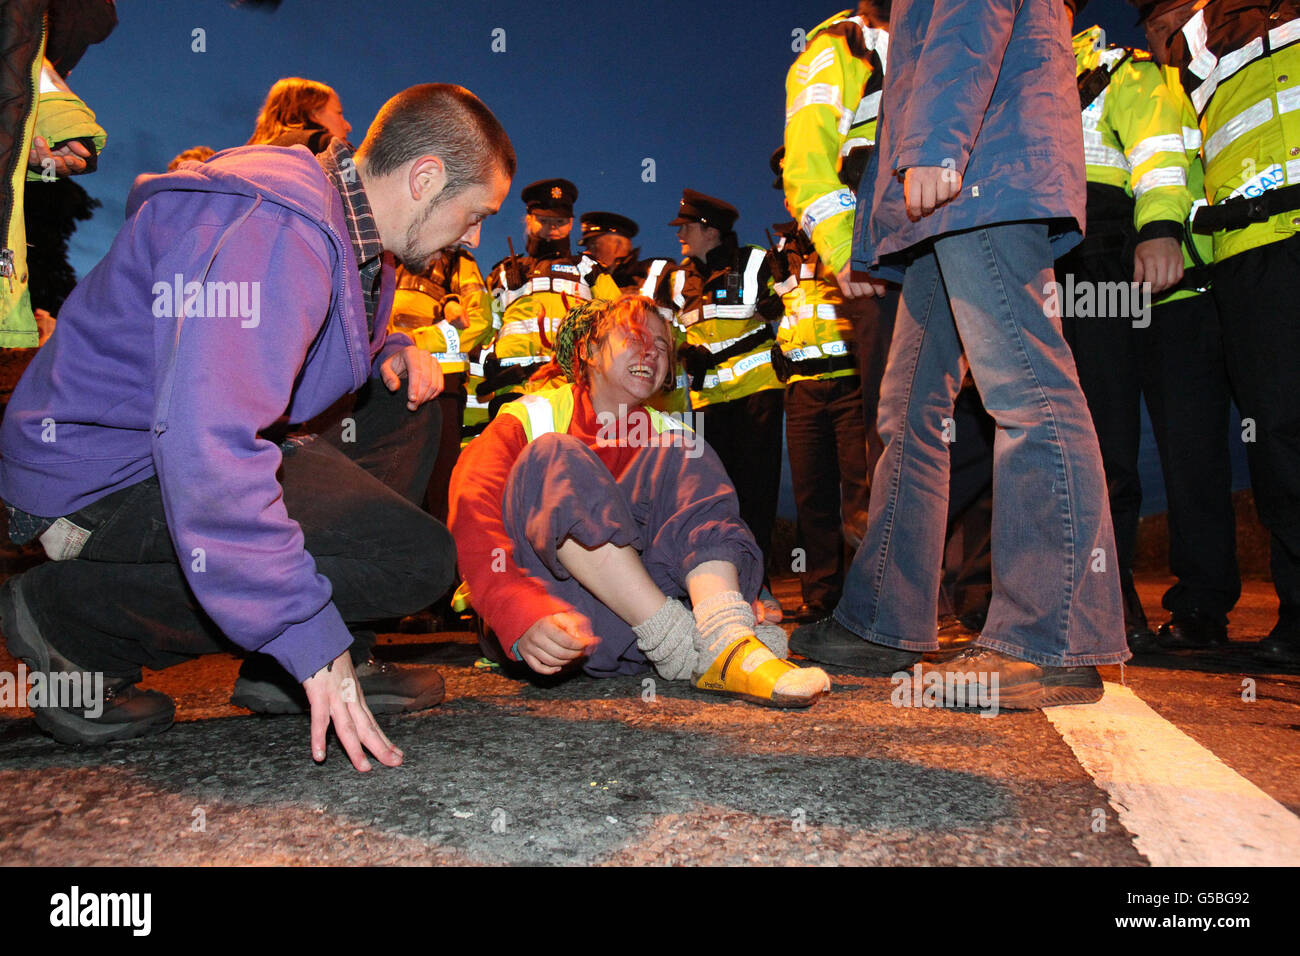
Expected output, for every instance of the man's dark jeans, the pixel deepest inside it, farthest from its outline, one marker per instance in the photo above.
(124, 602)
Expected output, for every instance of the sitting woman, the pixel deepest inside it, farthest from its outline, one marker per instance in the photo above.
(300, 112)
(581, 516)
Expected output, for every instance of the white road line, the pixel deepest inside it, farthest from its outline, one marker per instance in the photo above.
(1183, 805)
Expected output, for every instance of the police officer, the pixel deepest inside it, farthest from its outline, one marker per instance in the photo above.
(825, 433)
(446, 311)
(722, 291)
(1240, 65)
(533, 292)
(1139, 198)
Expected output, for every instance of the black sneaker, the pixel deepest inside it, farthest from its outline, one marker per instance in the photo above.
(829, 642)
(264, 687)
(122, 712)
(1282, 645)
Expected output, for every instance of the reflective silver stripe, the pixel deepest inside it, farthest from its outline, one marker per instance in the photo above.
(878, 40)
(523, 360)
(450, 334)
(1191, 138)
(545, 284)
(825, 206)
(1281, 36)
(742, 365)
(1288, 99)
(868, 108)
(716, 347)
(851, 144)
(823, 311)
(1165, 143)
(1215, 70)
(1095, 153)
(789, 285)
(825, 350)
(527, 326)
(679, 283)
(1166, 176)
(819, 94)
(541, 417)
(1196, 33)
(652, 277)
(756, 258)
(1242, 123)
(448, 358)
(712, 311)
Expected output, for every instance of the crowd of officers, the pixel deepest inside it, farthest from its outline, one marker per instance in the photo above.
(783, 330)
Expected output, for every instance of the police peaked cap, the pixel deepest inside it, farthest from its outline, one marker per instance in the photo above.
(556, 195)
(777, 165)
(706, 210)
(606, 224)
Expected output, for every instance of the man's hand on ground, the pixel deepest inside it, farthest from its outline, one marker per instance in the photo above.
(423, 375)
(69, 159)
(857, 285)
(1158, 261)
(926, 188)
(334, 694)
(556, 641)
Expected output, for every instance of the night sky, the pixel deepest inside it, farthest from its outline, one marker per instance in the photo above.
(587, 91)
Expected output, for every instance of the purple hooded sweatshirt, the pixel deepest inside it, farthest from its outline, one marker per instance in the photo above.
(252, 249)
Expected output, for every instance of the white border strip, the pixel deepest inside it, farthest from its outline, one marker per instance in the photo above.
(1184, 806)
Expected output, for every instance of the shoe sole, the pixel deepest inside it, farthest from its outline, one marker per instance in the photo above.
(24, 640)
(1037, 695)
(776, 701)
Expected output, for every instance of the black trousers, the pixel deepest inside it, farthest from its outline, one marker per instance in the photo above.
(124, 602)
(1258, 292)
(1177, 363)
(746, 434)
(826, 437)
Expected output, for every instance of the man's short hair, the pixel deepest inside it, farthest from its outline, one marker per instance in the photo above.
(442, 120)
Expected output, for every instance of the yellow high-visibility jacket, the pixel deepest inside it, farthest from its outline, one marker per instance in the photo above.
(420, 301)
(1133, 132)
(832, 96)
(812, 327)
(1248, 102)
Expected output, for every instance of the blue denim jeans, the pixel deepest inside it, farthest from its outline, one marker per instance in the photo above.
(978, 297)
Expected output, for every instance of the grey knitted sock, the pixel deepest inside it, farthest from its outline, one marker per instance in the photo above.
(722, 620)
(774, 637)
(667, 639)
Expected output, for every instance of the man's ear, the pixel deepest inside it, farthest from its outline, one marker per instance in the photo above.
(426, 178)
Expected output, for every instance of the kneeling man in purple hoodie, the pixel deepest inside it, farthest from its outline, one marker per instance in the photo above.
(148, 449)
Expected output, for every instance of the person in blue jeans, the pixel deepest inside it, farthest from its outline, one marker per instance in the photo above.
(976, 185)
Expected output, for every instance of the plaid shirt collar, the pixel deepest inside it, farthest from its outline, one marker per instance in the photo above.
(337, 162)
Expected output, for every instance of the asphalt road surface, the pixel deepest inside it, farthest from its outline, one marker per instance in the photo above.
(1189, 759)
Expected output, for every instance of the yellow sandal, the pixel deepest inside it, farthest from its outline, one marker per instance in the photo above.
(728, 675)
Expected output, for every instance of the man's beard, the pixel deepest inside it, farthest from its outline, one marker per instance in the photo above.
(411, 258)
